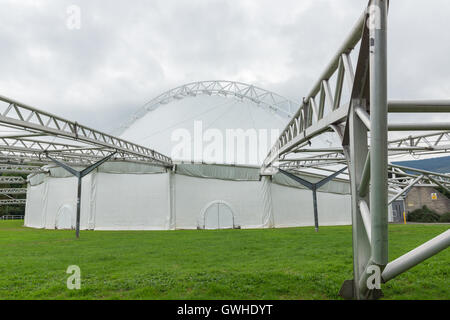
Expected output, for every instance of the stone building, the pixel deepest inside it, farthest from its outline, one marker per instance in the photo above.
(418, 197)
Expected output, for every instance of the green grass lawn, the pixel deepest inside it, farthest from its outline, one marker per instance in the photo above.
(292, 263)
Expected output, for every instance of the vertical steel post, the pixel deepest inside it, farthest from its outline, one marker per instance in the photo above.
(80, 175)
(77, 230)
(316, 214)
(379, 132)
(218, 216)
(313, 187)
(357, 158)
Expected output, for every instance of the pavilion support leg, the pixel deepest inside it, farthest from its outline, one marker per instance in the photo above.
(379, 135)
(318, 185)
(313, 187)
(357, 156)
(77, 229)
(316, 213)
(80, 175)
(369, 267)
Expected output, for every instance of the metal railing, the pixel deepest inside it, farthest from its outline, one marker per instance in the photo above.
(12, 217)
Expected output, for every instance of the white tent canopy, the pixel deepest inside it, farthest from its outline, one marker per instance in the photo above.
(193, 196)
(227, 193)
(186, 129)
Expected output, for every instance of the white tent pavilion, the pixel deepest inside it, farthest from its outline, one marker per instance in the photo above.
(197, 193)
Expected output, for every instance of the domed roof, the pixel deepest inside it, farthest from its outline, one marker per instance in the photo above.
(198, 128)
(211, 121)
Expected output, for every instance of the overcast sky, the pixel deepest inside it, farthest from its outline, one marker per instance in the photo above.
(127, 52)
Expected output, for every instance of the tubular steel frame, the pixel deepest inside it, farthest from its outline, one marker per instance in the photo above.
(11, 180)
(38, 125)
(32, 134)
(5, 191)
(313, 187)
(80, 175)
(36, 138)
(362, 126)
(13, 202)
(239, 90)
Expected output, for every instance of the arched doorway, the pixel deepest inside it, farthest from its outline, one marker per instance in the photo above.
(218, 215)
(64, 217)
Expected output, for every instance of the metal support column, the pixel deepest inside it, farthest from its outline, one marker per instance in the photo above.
(367, 111)
(379, 133)
(313, 187)
(316, 213)
(77, 229)
(80, 175)
(414, 257)
(358, 158)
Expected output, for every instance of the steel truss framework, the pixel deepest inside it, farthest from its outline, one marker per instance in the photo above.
(313, 187)
(8, 180)
(18, 168)
(13, 191)
(11, 180)
(242, 91)
(404, 177)
(32, 135)
(38, 130)
(419, 145)
(37, 137)
(13, 202)
(362, 126)
(10, 193)
(80, 175)
(26, 150)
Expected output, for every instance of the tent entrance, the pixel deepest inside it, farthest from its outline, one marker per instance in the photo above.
(218, 215)
(64, 217)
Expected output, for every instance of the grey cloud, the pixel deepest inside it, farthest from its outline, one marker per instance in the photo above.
(127, 52)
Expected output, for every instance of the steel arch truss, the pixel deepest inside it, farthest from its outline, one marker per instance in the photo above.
(319, 158)
(6, 191)
(239, 90)
(34, 132)
(18, 168)
(32, 137)
(402, 178)
(13, 202)
(8, 196)
(35, 151)
(362, 126)
(11, 180)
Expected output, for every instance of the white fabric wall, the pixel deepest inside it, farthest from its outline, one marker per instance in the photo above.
(45, 200)
(166, 201)
(334, 209)
(131, 201)
(292, 207)
(35, 206)
(194, 195)
(62, 193)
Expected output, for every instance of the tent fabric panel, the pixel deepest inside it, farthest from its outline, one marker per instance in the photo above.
(131, 202)
(194, 195)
